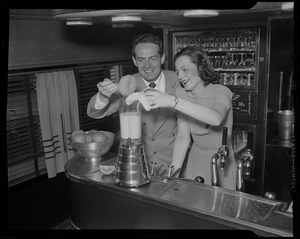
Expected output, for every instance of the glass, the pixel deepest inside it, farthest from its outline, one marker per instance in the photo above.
(250, 79)
(231, 60)
(228, 79)
(243, 79)
(182, 42)
(223, 62)
(242, 43)
(249, 61)
(252, 61)
(198, 42)
(220, 44)
(178, 44)
(203, 43)
(212, 60)
(130, 119)
(241, 62)
(230, 43)
(236, 80)
(239, 140)
(217, 62)
(285, 124)
(222, 78)
(251, 42)
(194, 41)
(210, 43)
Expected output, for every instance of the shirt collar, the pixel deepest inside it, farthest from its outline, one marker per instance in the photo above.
(160, 82)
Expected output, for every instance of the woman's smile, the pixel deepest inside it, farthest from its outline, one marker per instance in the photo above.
(185, 81)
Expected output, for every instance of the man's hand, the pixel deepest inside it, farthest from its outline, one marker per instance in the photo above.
(107, 87)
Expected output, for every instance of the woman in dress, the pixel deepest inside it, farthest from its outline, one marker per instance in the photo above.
(203, 107)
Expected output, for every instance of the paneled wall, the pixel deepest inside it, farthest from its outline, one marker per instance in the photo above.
(51, 42)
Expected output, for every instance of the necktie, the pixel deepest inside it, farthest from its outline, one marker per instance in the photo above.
(152, 85)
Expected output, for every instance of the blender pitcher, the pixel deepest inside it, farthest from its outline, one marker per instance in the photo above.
(131, 167)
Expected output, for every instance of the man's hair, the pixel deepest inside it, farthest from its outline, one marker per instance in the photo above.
(147, 38)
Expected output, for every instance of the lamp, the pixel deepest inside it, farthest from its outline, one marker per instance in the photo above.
(287, 6)
(125, 18)
(200, 13)
(79, 22)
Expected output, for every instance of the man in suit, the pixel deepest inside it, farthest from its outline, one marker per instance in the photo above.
(159, 126)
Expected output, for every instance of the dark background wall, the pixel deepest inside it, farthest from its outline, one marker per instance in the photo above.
(281, 59)
(43, 43)
(39, 205)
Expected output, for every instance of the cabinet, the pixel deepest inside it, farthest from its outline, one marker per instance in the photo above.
(250, 57)
(238, 54)
(279, 176)
(280, 166)
(232, 53)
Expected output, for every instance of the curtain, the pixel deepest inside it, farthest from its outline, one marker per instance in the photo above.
(59, 117)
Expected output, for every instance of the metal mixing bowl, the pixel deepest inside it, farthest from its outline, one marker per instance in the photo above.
(94, 150)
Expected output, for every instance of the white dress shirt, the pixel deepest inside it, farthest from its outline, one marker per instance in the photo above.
(160, 82)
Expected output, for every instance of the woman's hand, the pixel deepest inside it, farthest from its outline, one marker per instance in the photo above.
(159, 99)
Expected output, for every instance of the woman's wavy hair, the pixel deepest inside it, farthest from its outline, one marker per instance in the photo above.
(204, 66)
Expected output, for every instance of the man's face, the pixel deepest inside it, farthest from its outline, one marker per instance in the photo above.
(148, 61)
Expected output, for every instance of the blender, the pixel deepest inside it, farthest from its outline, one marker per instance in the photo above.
(131, 166)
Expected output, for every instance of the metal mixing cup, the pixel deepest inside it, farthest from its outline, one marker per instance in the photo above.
(285, 124)
(131, 167)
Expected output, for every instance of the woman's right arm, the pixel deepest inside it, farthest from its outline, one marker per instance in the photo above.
(181, 143)
(210, 115)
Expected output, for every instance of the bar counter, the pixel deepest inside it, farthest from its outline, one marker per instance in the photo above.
(96, 202)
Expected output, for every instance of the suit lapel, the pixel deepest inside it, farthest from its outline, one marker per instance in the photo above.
(148, 116)
(163, 113)
(157, 116)
(140, 84)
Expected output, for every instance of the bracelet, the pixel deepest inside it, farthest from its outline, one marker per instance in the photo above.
(176, 102)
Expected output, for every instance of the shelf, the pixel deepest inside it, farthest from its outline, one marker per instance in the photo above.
(235, 69)
(229, 50)
(242, 87)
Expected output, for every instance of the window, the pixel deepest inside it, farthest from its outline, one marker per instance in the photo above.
(24, 142)
(25, 155)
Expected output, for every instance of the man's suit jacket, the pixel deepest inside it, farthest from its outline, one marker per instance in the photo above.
(159, 126)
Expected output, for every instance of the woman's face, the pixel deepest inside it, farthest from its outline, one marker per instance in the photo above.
(148, 61)
(187, 72)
